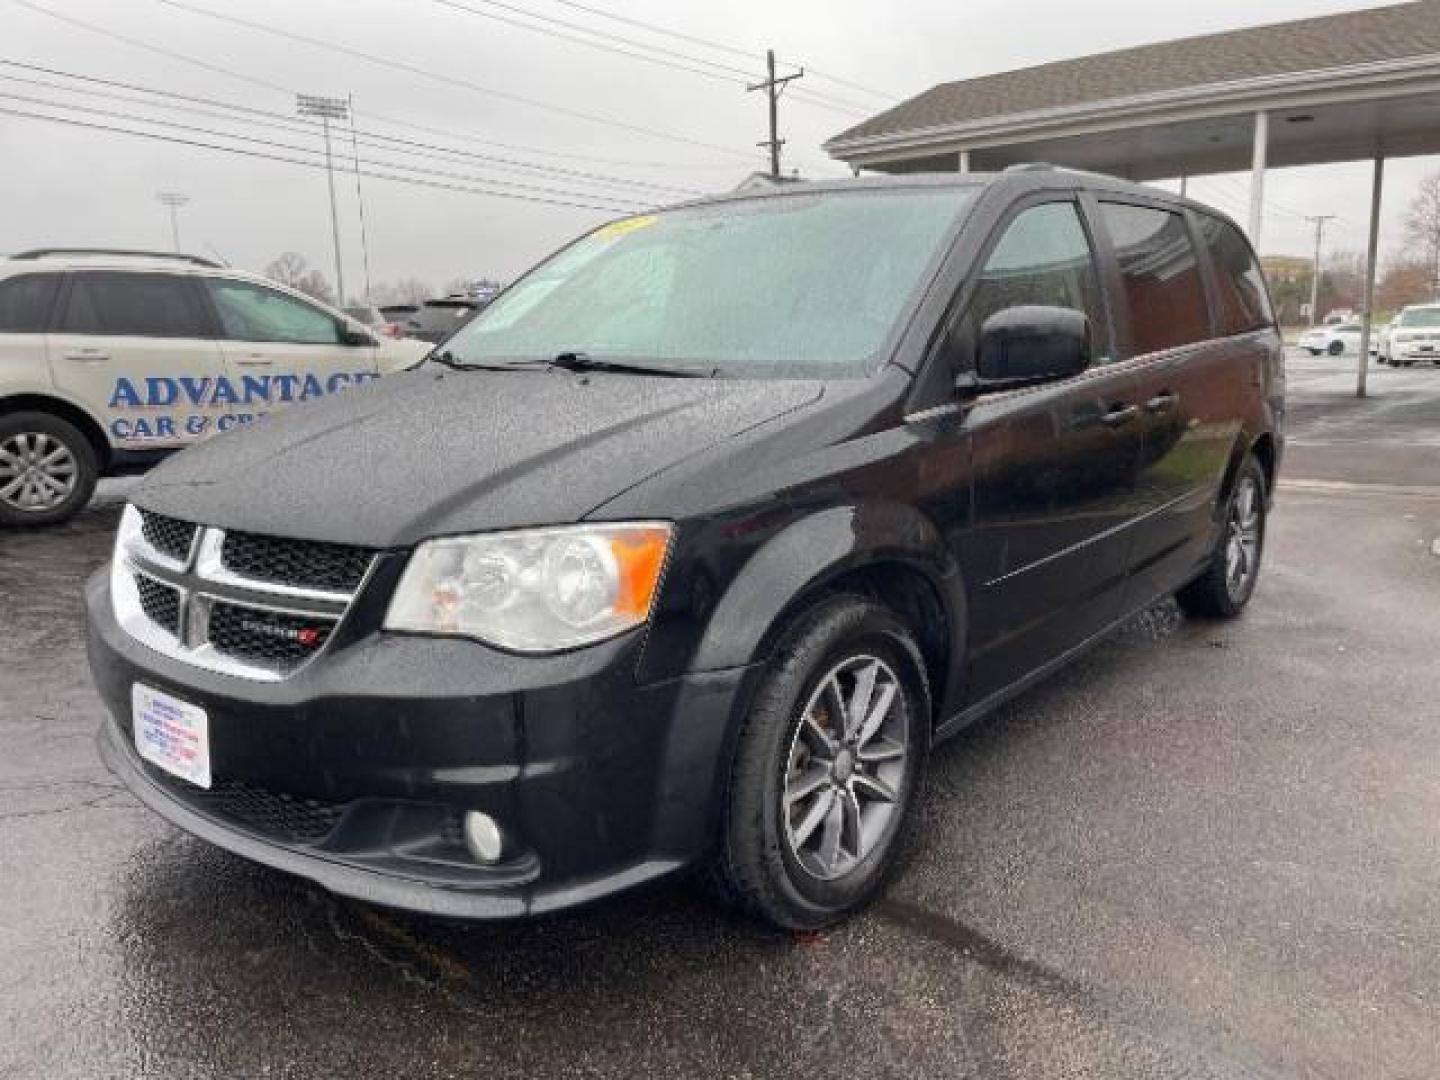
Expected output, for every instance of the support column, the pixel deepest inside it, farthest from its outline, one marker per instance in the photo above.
(1367, 304)
(964, 164)
(1257, 176)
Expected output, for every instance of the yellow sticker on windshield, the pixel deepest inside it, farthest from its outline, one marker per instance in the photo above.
(625, 225)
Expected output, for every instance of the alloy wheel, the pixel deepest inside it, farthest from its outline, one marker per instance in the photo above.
(38, 472)
(1242, 538)
(846, 767)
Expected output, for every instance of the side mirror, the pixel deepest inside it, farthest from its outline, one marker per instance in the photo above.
(350, 336)
(1030, 344)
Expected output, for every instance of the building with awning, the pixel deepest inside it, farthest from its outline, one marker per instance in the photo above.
(1361, 85)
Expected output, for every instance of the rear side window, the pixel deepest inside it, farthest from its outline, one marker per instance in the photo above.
(1244, 303)
(254, 313)
(133, 305)
(1161, 274)
(1044, 257)
(25, 302)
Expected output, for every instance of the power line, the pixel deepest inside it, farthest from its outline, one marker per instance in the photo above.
(649, 53)
(470, 188)
(184, 58)
(725, 72)
(733, 50)
(288, 124)
(132, 118)
(413, 69)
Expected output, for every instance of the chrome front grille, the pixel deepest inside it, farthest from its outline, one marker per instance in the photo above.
(263, 614)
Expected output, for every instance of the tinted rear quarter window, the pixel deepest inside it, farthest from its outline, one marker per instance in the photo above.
(133, 305)
(25, 302)
(1244, 301)
(1161, 272)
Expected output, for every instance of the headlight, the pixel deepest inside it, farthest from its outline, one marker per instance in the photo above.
(533, 590)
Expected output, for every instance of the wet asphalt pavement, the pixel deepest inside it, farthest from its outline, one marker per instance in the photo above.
(1207, 850)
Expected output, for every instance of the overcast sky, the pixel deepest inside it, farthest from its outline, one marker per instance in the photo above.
(620, 120)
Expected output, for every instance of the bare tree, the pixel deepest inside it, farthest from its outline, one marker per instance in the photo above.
(1422, 226)
(288, 269)
(314, 283)
(1402, 284)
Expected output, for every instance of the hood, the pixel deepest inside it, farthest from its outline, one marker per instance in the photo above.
(398, 354)
(434, 452)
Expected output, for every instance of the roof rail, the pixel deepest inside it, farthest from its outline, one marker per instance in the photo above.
(1030, 166)
(40, 253)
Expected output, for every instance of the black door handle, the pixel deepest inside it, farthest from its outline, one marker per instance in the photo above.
(1162, 402)
(1120, 415)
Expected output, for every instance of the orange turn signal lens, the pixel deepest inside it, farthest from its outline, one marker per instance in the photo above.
(639, 555)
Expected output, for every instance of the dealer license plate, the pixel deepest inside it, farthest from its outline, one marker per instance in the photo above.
(172, 734)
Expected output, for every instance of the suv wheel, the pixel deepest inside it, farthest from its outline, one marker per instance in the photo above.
(1224, 589)
(828, 764)
(47, 469)
(1336, 348)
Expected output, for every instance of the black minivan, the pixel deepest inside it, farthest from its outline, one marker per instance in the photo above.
(690, 547)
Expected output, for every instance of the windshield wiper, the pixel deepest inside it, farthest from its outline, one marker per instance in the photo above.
(450, 360)
(580, 361)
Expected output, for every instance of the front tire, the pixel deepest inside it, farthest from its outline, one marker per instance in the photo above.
(1337, 348)
(1228, 581)
(826, 768)
(48, 469)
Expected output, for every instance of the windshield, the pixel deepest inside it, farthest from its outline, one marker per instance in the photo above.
(1419, 317)
(781, 287)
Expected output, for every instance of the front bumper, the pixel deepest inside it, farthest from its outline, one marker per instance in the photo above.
(355, 772)
(1417, 350)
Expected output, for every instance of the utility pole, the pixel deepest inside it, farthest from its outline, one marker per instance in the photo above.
(174, 200)
(328, 109)
(773, 87)
(359, 196)
(1319, 220)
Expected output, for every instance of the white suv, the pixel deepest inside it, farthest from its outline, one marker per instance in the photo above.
(1414, 335)
(111, 359)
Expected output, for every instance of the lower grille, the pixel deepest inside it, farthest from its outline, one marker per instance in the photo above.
(292, 819)
(273, 639)
(160, 602)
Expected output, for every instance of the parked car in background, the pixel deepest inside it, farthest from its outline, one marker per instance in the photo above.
(109, 360)
(398, 315)
(653, 571)
(1413, 335)
(436, 320)
(1333, 340)
(372, 317)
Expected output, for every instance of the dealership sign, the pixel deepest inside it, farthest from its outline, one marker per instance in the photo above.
(168, 407)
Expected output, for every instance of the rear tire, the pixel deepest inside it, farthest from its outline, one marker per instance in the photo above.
(48, 469)
(825, 771)
(1228, 582)
(1336, 348)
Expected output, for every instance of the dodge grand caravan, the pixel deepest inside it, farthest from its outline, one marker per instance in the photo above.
(686, 551)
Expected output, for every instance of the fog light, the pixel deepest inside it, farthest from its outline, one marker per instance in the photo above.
(483, 838)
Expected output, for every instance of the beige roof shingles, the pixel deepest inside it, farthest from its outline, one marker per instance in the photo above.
(1329, 41)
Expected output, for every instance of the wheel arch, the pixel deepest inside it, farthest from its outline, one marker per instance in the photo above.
(890, 552)
(1265, 450)
(65, 410)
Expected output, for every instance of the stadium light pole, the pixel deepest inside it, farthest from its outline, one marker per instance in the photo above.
(328, 109)
(174, 200)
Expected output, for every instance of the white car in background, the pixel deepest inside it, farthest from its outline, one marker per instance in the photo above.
(1414, 335)
(1332, 340)
(109, 360)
